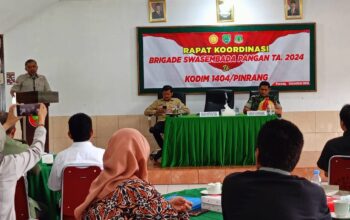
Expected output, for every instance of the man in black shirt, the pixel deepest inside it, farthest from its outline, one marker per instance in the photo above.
(271, 192)
(339, 145)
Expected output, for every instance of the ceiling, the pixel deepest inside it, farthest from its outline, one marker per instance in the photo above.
(13, 12)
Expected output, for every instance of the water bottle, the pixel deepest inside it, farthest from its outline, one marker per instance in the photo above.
(268, 109)
(316, 177)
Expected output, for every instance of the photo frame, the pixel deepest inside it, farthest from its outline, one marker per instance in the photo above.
(224, 10)
(293, 9)
(157, 10)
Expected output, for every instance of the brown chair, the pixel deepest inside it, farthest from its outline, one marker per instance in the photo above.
(21, 200)
(339, 171)
(76, 183)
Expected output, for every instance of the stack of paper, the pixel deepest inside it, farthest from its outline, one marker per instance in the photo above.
(212, 203)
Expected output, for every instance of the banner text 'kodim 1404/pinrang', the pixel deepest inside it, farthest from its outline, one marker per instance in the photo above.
(237, 59)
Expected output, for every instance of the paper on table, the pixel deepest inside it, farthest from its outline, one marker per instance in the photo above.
(47, 158)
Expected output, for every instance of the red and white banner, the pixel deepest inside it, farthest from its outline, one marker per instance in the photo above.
(226, 59)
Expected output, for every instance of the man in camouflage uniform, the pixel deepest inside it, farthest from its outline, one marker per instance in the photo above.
(264, 100)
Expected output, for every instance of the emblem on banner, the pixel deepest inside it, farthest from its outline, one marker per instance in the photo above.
(238, 39)
(213, 39)
(226, 38)
(225, 68)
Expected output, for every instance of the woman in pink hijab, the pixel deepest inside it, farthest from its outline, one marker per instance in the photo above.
(122, 189)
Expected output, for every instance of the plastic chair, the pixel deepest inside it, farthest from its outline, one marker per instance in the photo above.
(339, 171)
(21, 200)
(76, 183)
(215, 100)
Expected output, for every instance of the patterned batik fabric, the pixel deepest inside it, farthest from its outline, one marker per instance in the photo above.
(133, 199)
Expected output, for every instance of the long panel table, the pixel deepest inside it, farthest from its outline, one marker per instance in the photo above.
(211, 141)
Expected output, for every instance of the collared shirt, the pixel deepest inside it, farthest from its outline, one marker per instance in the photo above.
(275, 170)
(171, 105)
(335, 146)
(14, 147)
(255, 102)
(25, 83)
(79, 152)
(13, 166)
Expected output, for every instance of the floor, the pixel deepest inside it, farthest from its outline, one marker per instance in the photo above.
(175, 179)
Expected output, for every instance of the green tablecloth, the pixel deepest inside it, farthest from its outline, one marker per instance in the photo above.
(39, 191)
(196, 193)
(211, 141)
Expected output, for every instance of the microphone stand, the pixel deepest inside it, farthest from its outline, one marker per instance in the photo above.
(33, 78)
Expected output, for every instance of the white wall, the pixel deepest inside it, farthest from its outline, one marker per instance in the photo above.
(87, 50)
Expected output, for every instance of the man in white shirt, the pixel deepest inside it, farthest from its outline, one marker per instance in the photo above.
(81, 151)
(13, 166)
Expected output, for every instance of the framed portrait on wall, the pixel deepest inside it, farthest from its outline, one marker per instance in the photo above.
(224, 10)
(157, 10)
(293, 9)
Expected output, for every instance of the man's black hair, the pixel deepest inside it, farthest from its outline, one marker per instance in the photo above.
(280, 143)
(80, 127)
(167, 88)
(344, 115)
(264, 83)
(30, 61)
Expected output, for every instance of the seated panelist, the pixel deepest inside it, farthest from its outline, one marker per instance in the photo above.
(160, 108)
(263, 101)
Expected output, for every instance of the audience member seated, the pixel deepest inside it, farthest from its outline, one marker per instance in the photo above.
(271, 192)
(160, 108)
(81, 151)
(263, 100)
(14, 166)
(122, 190)
(339, 145)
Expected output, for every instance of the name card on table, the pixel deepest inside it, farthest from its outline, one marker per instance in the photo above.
(47, 158)
(209, 114)
(256, 113)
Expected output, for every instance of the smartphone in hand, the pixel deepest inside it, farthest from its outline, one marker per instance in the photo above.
(27, 109)
(197, 212)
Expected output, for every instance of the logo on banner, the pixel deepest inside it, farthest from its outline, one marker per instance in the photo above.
(33, 120)
(226, 38)
(238, 39)
(225, 68)
(213, 39)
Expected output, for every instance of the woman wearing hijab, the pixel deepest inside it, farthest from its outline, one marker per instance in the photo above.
(122, 189)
